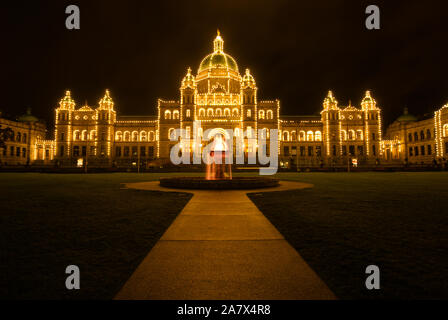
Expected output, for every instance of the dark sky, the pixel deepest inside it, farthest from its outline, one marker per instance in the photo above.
(297, 50)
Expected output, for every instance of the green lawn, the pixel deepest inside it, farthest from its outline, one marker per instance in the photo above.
(49, 221)
(398, 221)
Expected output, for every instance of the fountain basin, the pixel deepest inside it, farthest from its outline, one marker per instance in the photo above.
(236, 183)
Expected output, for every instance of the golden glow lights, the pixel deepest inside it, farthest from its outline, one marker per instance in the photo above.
(219, 96)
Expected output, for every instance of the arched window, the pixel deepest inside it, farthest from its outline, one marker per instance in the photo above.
(302, 136)
(410, 137)
(127, 136)
(351, 134)
(84, 135)
(176, 114)
(168, 114)
(415, 136)
(227, 112)
(359, 135)
(218, 112)
(428, 134)
(293, 136)
(24, 138)
(445, 130)
(151, 135)
(285, 136)
(18, 137)
(93, 135)
(269, 114)
(235, 112)
(118, 136)
(344, 135)
(188, 113)
(261, 114)
(202, 112)
(143, 136)
(318, 136)
(209, 112)
(134, 136)
(310, 136)
(422, 135)
(76, 135)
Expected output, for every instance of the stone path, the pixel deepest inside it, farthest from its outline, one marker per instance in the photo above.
(222, 247)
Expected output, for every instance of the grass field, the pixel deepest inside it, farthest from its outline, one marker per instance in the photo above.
(49, 221)
(397, 221)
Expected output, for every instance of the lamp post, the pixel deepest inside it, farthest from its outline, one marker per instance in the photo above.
(87, 148)
(348, 149)
(138, 149)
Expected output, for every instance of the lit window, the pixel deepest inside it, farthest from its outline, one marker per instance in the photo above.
(167, 114)
(210, 112)
(309, 136)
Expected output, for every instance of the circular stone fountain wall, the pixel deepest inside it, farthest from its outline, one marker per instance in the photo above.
(233, 184)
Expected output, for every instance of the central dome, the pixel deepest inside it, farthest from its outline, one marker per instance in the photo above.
(218, 59)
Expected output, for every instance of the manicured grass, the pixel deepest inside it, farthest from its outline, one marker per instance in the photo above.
(50, 221)
(397, 221)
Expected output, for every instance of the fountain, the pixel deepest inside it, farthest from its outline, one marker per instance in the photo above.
(216, 167)
(218, 173)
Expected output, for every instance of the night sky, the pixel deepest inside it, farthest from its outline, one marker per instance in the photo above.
(297, 51)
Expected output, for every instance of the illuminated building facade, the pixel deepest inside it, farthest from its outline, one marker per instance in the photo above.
(221, 98)
(418, 142)
(27, 143)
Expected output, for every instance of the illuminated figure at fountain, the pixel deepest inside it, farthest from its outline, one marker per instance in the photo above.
(216, 166)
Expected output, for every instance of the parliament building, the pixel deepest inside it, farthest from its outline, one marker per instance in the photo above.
(219, 97)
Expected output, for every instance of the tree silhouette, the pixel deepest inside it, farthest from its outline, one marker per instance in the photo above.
(5, 135)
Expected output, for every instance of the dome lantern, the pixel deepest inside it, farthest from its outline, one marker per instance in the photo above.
(218, 44)
(188, 80)
(106, 102)
(67, 102)
(248, 80)
(330, 101)
(368, 103)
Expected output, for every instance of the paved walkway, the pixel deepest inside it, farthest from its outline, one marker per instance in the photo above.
(222, 247)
